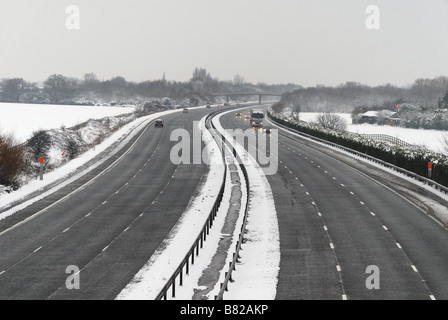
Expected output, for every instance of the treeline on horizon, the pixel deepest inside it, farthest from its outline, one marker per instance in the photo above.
(424, 93)
(59, 89)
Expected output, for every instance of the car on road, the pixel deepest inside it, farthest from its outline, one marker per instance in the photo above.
(159, 123)
(267, 129)
(226, 104)
(238, 114)
(186, 110)
(208, 106)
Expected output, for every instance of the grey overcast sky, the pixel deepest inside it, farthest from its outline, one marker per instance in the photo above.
(274, 41)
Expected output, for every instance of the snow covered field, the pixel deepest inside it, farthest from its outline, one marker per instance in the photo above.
(431, 139)
(22, 119)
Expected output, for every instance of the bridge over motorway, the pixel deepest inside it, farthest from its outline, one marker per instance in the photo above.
(228, 95)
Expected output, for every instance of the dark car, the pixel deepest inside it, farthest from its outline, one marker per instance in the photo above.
(159, 123)
(208, 106)
(185, 110)
(238, 114)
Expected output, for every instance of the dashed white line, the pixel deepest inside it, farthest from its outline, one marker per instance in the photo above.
(88, 214)
(331, 245)
(372, 213)
(2, 272)
(319, 214)
(430, 296)
(325, 228)
(398, 245)
(338, 268)
(385, 228)
(414, 268)
(104, 202)
(351, 192)
(344, 297)
(38, 249)
(105, 248)
(66, 230)
(361, 202)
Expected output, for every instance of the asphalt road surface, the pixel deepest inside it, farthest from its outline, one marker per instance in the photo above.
(107, 224)
(345, 235)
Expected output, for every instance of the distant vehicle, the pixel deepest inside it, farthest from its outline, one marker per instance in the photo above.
(267, 129)
(208, 106)
(256, 117)
(159, 123)
(186, 110)
(247, 117)
(226, 104)
(238, 114)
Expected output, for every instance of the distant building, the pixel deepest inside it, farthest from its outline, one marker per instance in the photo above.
(383, 117)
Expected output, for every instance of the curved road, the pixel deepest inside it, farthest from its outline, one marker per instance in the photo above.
(342, 232)
(107, 224)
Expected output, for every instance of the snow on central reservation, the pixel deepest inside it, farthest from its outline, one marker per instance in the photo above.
(430, 139)
(23, 119)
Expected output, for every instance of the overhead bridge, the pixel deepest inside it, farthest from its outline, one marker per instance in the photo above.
(228, 95)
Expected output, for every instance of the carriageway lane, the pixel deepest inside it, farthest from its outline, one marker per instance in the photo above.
(108, 228)
(335, 222)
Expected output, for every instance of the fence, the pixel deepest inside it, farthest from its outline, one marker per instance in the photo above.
(386, 138)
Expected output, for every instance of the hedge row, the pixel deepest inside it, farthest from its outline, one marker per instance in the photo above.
(414, 159)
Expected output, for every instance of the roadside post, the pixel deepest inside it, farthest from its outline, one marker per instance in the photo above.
(430, 170)
(41, 169)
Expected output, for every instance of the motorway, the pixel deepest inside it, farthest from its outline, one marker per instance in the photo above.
(344, 234)
(336, 221)
(107, 223)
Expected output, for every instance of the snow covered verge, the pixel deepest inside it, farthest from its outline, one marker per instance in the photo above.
(424, 138)
(413, 158)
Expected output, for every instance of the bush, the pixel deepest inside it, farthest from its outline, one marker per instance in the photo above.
(11, 161)
(412, 159)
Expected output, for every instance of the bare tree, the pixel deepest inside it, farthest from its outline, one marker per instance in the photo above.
(238, 80)
(39, 143)
(57, 87)
(12, 89)
(331, 121)
(11, 161)
(445, 143)
(295, 111)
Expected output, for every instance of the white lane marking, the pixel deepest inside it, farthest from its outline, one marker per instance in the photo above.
(88, 214)
(2, 272)
(351, 192)
(325, 228)
(126, 229)
(361, 202)
(372, 213)
(398, 245)
(385, 228)
(414, 268)
(344, 297)
(430, 296)
(104, 202)
(331, 245)
(319, 214)
(80, 187)
(105, 248)
(37, 249)
(66, 230)
(338, 268)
